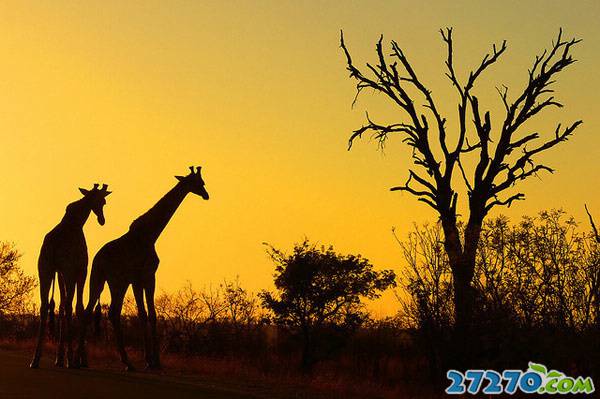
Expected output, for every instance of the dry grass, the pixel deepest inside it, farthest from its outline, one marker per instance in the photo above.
(269, 377)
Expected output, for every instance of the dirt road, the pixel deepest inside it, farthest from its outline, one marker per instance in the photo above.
(18, 381)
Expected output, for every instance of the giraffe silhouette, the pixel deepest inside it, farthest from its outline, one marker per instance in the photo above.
(132, 260)
(64, 253)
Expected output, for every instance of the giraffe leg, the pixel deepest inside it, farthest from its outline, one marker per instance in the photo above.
(79, 317)
(70, 292)
(96, 286)
(150, 287)
(45, 281)
(118, 294)
(60, 350)
(79, 297)
(138, 292)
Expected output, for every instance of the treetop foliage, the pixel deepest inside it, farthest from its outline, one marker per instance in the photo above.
(317, 285)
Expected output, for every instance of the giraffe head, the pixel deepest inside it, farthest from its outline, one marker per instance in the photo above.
(96, 199)
(194, 183)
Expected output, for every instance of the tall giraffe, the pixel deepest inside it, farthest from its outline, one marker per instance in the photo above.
(64, 253)
(132, 260)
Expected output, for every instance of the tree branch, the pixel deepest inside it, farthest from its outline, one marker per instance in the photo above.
(508, 202)
(381, 132)
(594, 229)
(427, 196)
(388, 81)
(541, 75)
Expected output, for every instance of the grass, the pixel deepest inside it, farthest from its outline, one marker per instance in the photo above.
(269, 377)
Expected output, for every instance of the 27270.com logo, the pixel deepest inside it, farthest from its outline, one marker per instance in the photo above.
(536, 379)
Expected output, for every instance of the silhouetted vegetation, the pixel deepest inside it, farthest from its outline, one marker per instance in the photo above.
(319, 288)
(15, 286)
(501, 160)
(536, 293)
(16, 295)
(593, 225)
(536, 298)
(218, 321)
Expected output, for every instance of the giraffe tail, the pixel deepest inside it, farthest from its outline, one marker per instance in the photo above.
(51, 317)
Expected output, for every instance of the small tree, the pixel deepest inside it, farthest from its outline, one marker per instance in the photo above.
(241, 305)
(596, 272)
(504, 155)
(317, 286)
(15, 285)
(593, 225)
(427, 280)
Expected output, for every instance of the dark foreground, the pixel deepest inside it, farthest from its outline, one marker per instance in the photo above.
(17, 380)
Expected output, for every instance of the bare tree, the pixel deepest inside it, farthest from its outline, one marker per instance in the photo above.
(214, 302)
(241, 306)
(184, 310)
(502, 160)
(427, 280)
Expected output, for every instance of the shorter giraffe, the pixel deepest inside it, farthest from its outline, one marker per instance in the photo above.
(132, 260)
(64, 253)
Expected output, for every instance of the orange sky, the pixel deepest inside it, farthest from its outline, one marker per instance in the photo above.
(131, 93)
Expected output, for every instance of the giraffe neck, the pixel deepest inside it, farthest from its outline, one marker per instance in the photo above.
(152, 223)
(76, 214)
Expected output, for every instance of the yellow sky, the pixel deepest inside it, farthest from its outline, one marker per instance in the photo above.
(131, 93)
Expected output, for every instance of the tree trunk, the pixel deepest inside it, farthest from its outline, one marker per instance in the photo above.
(463, 311)
(307, 361)
(462, 262)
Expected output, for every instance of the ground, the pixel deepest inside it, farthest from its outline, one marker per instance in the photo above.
(18, 381)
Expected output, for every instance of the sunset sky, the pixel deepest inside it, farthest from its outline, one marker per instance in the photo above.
(131, 93)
